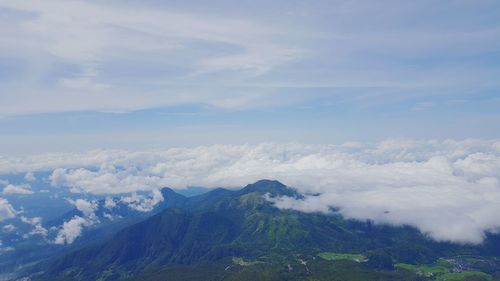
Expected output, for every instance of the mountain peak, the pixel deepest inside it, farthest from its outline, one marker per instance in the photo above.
(274, 187)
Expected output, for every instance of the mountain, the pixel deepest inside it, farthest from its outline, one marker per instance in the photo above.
(239, 235)
(104, 216)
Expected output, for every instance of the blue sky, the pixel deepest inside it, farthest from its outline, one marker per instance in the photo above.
(155, 74)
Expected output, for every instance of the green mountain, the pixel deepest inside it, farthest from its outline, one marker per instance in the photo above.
(239, 235)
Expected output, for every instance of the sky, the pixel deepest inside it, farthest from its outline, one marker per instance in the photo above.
(389, 110)
(157, 74)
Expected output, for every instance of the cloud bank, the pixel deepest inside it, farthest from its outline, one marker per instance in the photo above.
(448, 189)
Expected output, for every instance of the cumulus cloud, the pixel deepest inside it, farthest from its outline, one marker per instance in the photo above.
(18, 189)
(30, 176)
(88, 208)
(36, 222)
(109, 216)
(109, 203)
(447, 189)
(70, 230)
(141, 203)
(6, 210)
(8, 228)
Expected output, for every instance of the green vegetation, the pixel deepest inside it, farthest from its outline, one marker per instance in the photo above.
(237, 235)
(426, 270)
(284, 268)
(464, 276)
(242, 262)
(442, 271)
(341, 256)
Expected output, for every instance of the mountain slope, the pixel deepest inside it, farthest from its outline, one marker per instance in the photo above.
(216, 227)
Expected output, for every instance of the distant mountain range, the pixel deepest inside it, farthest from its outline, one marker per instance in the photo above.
(240, 235)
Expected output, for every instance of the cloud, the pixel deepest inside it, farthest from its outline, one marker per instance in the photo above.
(18, 189)
(9, 228)
(141, 203)
(89, 58)
(448, 189)
(70, 230)
(6, 210)
(234, 55)
(109, 203)
(30, 177)
(5, 249)
(87, 208)
(103, 180)
(36, 222)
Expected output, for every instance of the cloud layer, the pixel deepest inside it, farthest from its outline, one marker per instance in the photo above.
(448, 189)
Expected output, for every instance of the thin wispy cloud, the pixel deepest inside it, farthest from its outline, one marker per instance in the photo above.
(118, 58)
(77, 59)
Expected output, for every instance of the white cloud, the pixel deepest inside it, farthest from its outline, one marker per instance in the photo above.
(141, 203)
(36, 222)
(109, 203)
(31, 221)
(448, 189)
(88, 208)
(147, 38)
(180, 54)
(70, 230)
(5, 249)
(6, 210)
(18, 189)
(103, 180)
(108, 216)
(30, 177)
(8, 228)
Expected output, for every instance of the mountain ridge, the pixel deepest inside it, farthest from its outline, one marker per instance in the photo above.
(222, 224)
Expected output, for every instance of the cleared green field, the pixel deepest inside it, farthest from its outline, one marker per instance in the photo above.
(341, 256)
(242, 262)
(423, 269)
(466, 275)
(441, 272)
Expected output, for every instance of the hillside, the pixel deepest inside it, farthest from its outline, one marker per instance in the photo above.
(239, 235)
